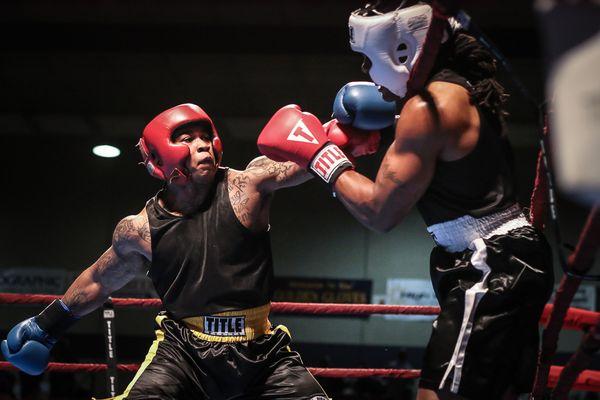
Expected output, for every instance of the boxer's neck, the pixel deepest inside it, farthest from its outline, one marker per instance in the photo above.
(186, 199)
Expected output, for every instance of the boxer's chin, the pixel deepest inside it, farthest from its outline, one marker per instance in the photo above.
(204, 174)
(387, 95)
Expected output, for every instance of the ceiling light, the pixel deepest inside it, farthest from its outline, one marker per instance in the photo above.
(106, 151)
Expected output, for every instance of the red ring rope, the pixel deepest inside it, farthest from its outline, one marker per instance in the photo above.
(588, 380)
(576, 318)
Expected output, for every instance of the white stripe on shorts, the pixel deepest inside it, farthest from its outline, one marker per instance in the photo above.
(472, 298)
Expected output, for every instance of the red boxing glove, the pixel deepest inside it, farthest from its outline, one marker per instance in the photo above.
(293, 135)
(353, 141)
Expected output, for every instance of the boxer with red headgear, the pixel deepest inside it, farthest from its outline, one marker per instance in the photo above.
(165, 159)
(204, 241)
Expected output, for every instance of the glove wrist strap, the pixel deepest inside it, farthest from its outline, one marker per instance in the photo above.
(329, 163)
(56, 318)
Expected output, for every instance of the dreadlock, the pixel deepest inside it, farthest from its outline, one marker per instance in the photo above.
(466, 56)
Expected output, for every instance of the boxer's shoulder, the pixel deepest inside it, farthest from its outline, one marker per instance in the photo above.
(453, 103)
(132, 234)
(444, 110)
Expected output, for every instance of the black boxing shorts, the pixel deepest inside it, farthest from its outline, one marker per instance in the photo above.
(183, 364)
(485, 339)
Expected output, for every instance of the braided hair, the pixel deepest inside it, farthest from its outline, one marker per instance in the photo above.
(466, 56)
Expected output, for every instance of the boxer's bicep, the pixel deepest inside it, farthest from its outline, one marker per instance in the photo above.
(113, 269)
(409, 163)
(404, 175)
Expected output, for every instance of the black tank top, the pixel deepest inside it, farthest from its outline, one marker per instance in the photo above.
(208, 262)
(480, 183)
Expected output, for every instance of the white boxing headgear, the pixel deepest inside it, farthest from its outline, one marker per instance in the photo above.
(392, 41)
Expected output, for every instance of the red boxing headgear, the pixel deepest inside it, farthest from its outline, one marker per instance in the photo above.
(164, 159)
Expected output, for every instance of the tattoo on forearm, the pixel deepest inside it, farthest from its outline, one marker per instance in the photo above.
(92, 287)
(263, 166)
(79, 296)
(74, 298)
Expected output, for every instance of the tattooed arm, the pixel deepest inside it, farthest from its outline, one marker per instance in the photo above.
(129, 253)
(269, 175)
(250, 191)
(404, 174)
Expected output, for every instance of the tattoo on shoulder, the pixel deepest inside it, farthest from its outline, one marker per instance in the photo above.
(390, 175)
(129, 226)
(124, 229)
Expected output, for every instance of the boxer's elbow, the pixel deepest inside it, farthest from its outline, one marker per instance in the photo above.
(373, 208)
(381, 225)
(377, 218)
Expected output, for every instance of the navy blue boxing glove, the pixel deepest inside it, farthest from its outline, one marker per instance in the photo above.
(361, 105)
(28, 343)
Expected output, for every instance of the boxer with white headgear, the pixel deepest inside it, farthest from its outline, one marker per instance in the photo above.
(450, 158)
(393, 42)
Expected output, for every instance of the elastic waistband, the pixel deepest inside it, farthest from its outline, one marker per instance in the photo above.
(231, 326)
(457, 234)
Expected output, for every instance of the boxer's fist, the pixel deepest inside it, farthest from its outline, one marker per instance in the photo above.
(293, 135)
(354, 142)
(361, 105)
(28, 343)
(27, 347)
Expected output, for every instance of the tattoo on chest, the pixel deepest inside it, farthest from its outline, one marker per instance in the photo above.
(239, 198)
(144, 231)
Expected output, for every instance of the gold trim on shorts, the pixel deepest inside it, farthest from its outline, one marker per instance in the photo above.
(231, 326)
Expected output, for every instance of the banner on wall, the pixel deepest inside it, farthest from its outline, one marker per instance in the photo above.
(33, 280)
(41, 280)
(410, 292)
(322, 290)
(585, 297)
(419, 292)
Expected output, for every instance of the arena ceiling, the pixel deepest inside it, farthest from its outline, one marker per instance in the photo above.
(103, 68)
